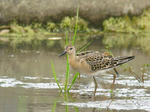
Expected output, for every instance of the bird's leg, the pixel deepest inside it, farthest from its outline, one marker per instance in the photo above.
(95, 85)
(116, 72)
(115, 75)
(114, 78)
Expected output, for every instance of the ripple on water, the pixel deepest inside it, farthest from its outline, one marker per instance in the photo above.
(12, 82)
(128, 98)
(129, 104)
(9, 82)
(128, 81)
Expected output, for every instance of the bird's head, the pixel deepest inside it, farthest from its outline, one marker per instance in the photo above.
(70, 50)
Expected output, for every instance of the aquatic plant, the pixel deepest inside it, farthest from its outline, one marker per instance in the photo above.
(144, 69)
(52, 27)
(134, 24)
(133, 31)
(119, 40)
(73, 42)
(36, 25)
(69, 23)
(66, 23)
(140, 75)
(54, 106)
(76, 27)
(55, 77)
(119, 32)
(119, 24)
(67, 88)
(73, 80)
(142, 21)
(143, 42)
(16, 28)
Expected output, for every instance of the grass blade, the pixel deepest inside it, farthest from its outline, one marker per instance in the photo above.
(66, 100)
(55, 77)
(54, 106)
(73, 81)
(67, 39)
(76, 26)
(76, 109)
(66, 107)
(67, 74)
(85, 46)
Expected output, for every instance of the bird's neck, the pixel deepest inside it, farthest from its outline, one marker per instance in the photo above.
(72, 57)
(74, 62)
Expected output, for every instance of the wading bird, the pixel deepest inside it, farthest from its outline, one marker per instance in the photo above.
(93, 62)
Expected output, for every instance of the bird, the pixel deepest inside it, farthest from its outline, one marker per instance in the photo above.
(93, 62)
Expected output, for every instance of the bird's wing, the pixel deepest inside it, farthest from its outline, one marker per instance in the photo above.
(99, 61)
(85, 53)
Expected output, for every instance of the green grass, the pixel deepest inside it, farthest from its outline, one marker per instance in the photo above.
(76, 26)
(54, 106)
(54, 75)
(66, 84)
(67, 74)
(73, 81)
(85, 46)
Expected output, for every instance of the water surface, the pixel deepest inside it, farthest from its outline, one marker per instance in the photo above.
(27, 84)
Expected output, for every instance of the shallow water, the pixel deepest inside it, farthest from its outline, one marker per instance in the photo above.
(27, 85)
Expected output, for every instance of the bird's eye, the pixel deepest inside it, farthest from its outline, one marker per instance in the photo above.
(70, 48)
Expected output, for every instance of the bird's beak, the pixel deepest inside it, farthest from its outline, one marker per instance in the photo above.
(63, 53)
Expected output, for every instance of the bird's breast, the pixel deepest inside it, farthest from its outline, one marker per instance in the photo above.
(80, 66)
(74, 65)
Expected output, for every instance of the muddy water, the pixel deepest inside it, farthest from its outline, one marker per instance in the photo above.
(27, 85)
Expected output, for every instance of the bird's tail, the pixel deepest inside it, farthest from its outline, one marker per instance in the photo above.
(121, 60)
